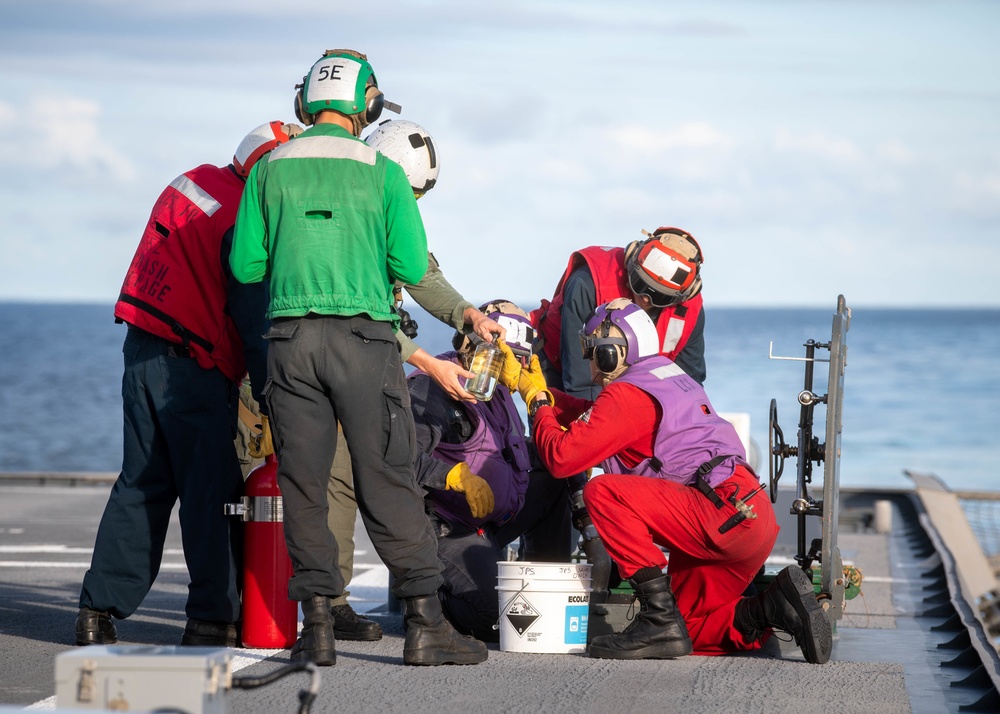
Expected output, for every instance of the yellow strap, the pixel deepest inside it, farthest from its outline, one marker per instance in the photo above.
(249, 419)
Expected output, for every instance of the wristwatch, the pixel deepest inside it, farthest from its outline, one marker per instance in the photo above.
(540, 401)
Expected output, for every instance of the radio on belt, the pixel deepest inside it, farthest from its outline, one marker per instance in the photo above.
(195, 680)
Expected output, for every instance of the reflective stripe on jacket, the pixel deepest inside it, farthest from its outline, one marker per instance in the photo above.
(175, 286)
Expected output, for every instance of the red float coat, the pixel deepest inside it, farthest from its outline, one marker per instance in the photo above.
(636, 516)
(607, 267)
(176, 285)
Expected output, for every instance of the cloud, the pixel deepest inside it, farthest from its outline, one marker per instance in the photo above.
(895, 152)
(558, 126)
(976, 193)
(799, 202)
(817, 144)
(62, 141)
(567, 171)
(691, 135)
(683, 153)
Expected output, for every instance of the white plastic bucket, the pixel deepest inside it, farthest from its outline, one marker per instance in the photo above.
(544, 607)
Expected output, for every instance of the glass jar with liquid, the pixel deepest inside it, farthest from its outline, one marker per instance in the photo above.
(486, 363)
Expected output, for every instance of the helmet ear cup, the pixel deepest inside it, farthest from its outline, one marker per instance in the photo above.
(606, 358)
(300, 113)
(631, 251)
(374, 103)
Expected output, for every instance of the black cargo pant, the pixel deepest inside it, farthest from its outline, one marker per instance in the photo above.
(325, 369)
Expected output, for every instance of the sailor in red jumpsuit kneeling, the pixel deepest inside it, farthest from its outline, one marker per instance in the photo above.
(675, 476)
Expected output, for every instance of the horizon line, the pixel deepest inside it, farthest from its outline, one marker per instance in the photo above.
(534, 303)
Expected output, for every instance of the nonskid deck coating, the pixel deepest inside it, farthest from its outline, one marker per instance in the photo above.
(886, 655)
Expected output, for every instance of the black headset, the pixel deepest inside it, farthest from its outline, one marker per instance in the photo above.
(300, 110)
(374, 101)
(606, 358)
(604, 350)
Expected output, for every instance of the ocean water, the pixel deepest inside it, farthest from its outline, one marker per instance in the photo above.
(922, 387)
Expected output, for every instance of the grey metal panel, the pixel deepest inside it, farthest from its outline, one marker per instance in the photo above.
(832, 574)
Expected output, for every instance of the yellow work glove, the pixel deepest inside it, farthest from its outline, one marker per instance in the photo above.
(478, 493)
(261, 444)
(532, 382)
(510, 370)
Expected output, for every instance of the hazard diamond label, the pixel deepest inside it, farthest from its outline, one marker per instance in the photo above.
(521, 614)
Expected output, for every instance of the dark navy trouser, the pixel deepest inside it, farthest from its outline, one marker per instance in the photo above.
(327, 369)
(180, 421)
(469, 595)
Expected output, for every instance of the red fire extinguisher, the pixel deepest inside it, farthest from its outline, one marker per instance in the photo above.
(270, 619)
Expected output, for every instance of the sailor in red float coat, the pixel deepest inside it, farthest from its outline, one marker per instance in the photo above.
(662, 272)
(192, 333)
(176, 286)
(675, 477)
(709, 571)
(599, 274)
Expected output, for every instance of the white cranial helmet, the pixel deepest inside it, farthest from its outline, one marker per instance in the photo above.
(259, 142)
(410, 146)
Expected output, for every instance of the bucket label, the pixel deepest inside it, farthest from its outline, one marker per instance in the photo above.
(521, 614)
(576, 624)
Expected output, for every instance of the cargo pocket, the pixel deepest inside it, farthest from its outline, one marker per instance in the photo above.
(281, 329)
(397, 427)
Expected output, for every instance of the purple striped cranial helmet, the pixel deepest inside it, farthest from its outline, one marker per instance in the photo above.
(618, 335)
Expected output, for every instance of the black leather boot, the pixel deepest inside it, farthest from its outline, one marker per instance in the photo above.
(789, 603)
(204, 633)
(95, 627)
(316, 643)
(657, 632)
(430, 638)
(349, 625)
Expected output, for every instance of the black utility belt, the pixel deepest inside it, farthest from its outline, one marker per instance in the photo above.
(171, 349)
(176, 350)
(743, 510)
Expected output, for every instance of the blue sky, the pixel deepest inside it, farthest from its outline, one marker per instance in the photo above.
(813, 148)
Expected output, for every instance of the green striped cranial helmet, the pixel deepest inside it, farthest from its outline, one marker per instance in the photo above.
(342, 81)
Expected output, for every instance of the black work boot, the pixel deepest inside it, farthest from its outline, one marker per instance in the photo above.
(657, 632)
(430, 638)
(205, 633)
(349, 625)
(789, 603)
(316, 643)
(95, 627)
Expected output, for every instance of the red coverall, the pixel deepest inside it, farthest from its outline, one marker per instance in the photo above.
(709, 571)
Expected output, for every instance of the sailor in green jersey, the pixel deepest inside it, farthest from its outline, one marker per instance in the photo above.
(409, 145)
(332, 225)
